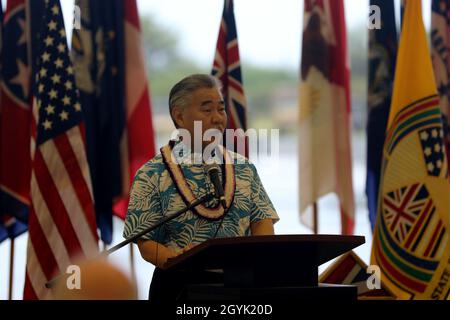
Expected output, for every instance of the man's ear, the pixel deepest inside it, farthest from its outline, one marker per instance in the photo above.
(177, 115)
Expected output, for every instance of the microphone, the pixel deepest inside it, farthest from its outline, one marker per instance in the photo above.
(213, 173)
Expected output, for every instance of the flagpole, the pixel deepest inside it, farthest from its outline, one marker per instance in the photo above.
(315, 218)
(132, 265)
(105, 246)
(11, 269)
(159, 223)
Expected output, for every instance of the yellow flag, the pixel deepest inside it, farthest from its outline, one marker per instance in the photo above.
(411, 240)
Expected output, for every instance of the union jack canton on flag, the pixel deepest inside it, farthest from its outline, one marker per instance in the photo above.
(227, 68)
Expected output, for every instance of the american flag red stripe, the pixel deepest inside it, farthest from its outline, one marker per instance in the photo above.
(51, 197)
(31, 294)
(37, 235)
(81, 188)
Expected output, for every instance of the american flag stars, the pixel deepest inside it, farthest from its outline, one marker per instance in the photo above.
(55, 10)
(64, 115)
(45, 57)
(59, 63)
(62, 48)
(52, 25)
(56, 91)
(43, 72)
(49, 41)
(56, 79)
(53, 94)
(62, 219)
(50, 109)
(68, 85)
(47, 124)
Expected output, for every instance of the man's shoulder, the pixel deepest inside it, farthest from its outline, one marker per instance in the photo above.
(154, 165)
(238, 158)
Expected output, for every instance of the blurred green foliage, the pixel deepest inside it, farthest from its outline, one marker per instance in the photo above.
(269, 90)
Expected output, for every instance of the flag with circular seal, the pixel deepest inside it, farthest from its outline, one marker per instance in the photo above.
(411, 240)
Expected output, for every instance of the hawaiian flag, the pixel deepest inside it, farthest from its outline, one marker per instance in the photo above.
(227, 68)
(440, 42)
(15, 119)
(111, 75)
(62, 226)
(382, 55)
(325, 149)
(411, 243)
(349, 269)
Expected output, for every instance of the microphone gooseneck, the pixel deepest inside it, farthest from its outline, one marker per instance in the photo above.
(213, 173)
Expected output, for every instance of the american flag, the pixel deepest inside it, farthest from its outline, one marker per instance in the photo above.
(227, 68)
(62, 222)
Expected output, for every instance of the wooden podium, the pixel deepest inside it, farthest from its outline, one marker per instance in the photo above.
(273, 267)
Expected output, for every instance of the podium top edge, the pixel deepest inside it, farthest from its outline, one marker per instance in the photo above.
(288, 238)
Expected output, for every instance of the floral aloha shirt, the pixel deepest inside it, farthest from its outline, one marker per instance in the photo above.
(155, 195)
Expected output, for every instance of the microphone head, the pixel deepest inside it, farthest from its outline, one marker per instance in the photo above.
(213, 173)
(212, 167)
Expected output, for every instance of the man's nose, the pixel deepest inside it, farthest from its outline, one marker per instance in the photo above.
(217, 117)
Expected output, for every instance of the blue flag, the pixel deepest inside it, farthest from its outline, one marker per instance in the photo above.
(382, 55)
(99, 60)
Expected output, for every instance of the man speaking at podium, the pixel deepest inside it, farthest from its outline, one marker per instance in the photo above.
(177, 177)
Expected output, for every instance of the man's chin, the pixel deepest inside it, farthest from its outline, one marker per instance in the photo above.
(221, 130)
